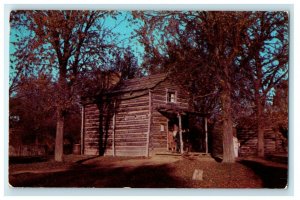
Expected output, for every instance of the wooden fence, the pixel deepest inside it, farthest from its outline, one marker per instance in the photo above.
(273, 141)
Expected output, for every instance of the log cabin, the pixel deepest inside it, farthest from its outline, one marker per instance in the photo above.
(137, 117)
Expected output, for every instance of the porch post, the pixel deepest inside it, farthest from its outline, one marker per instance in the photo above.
(168, 135)
(180, 133)
(206, 137)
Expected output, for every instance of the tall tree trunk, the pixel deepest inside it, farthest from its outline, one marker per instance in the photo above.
(259, 113)
(260, 129)
(228, 150)
(59, 139)
(59, 136)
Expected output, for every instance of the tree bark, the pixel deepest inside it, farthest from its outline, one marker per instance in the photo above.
(259, 113)
(260, 130)
(228, 151)
(59, 137)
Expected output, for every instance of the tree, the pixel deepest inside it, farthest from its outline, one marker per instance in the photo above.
(127, 65)
(279, 108)
(264, 63)
(30, 111)
(64, 43)
(216, 39)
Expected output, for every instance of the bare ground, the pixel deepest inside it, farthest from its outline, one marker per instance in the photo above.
(154, 172)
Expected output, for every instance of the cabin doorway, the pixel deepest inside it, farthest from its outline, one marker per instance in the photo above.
(193, 134)
(174, 135)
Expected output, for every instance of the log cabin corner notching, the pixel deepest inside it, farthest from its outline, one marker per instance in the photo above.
(134, 120)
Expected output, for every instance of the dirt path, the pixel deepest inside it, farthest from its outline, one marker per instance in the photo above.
(154, 172)
(100, 163)
(152, 161)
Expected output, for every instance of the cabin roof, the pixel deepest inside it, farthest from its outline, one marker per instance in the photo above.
(130, 85)
(143, 83)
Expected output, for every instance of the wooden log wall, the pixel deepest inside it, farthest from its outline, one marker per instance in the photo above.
(91, 132)
(158, 138)
(92, 143)
(130, 127)
(248, 142)
(270, 141)
(131, 124)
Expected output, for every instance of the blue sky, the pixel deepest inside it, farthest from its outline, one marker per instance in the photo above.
(120, 25)
(126, 30)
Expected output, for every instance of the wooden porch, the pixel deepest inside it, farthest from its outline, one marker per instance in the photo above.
(173, 111)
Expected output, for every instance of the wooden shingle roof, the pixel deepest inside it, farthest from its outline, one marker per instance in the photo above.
(143, 83)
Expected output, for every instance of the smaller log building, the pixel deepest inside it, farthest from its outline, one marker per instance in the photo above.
(136, 118)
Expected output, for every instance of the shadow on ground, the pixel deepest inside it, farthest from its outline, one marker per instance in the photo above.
(272, 176)
(158, 176)
(157, 172)
(27, 159)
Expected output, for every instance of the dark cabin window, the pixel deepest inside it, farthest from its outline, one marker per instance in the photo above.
(171, 98)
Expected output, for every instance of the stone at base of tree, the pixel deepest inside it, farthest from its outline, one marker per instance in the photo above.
(198, 175)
